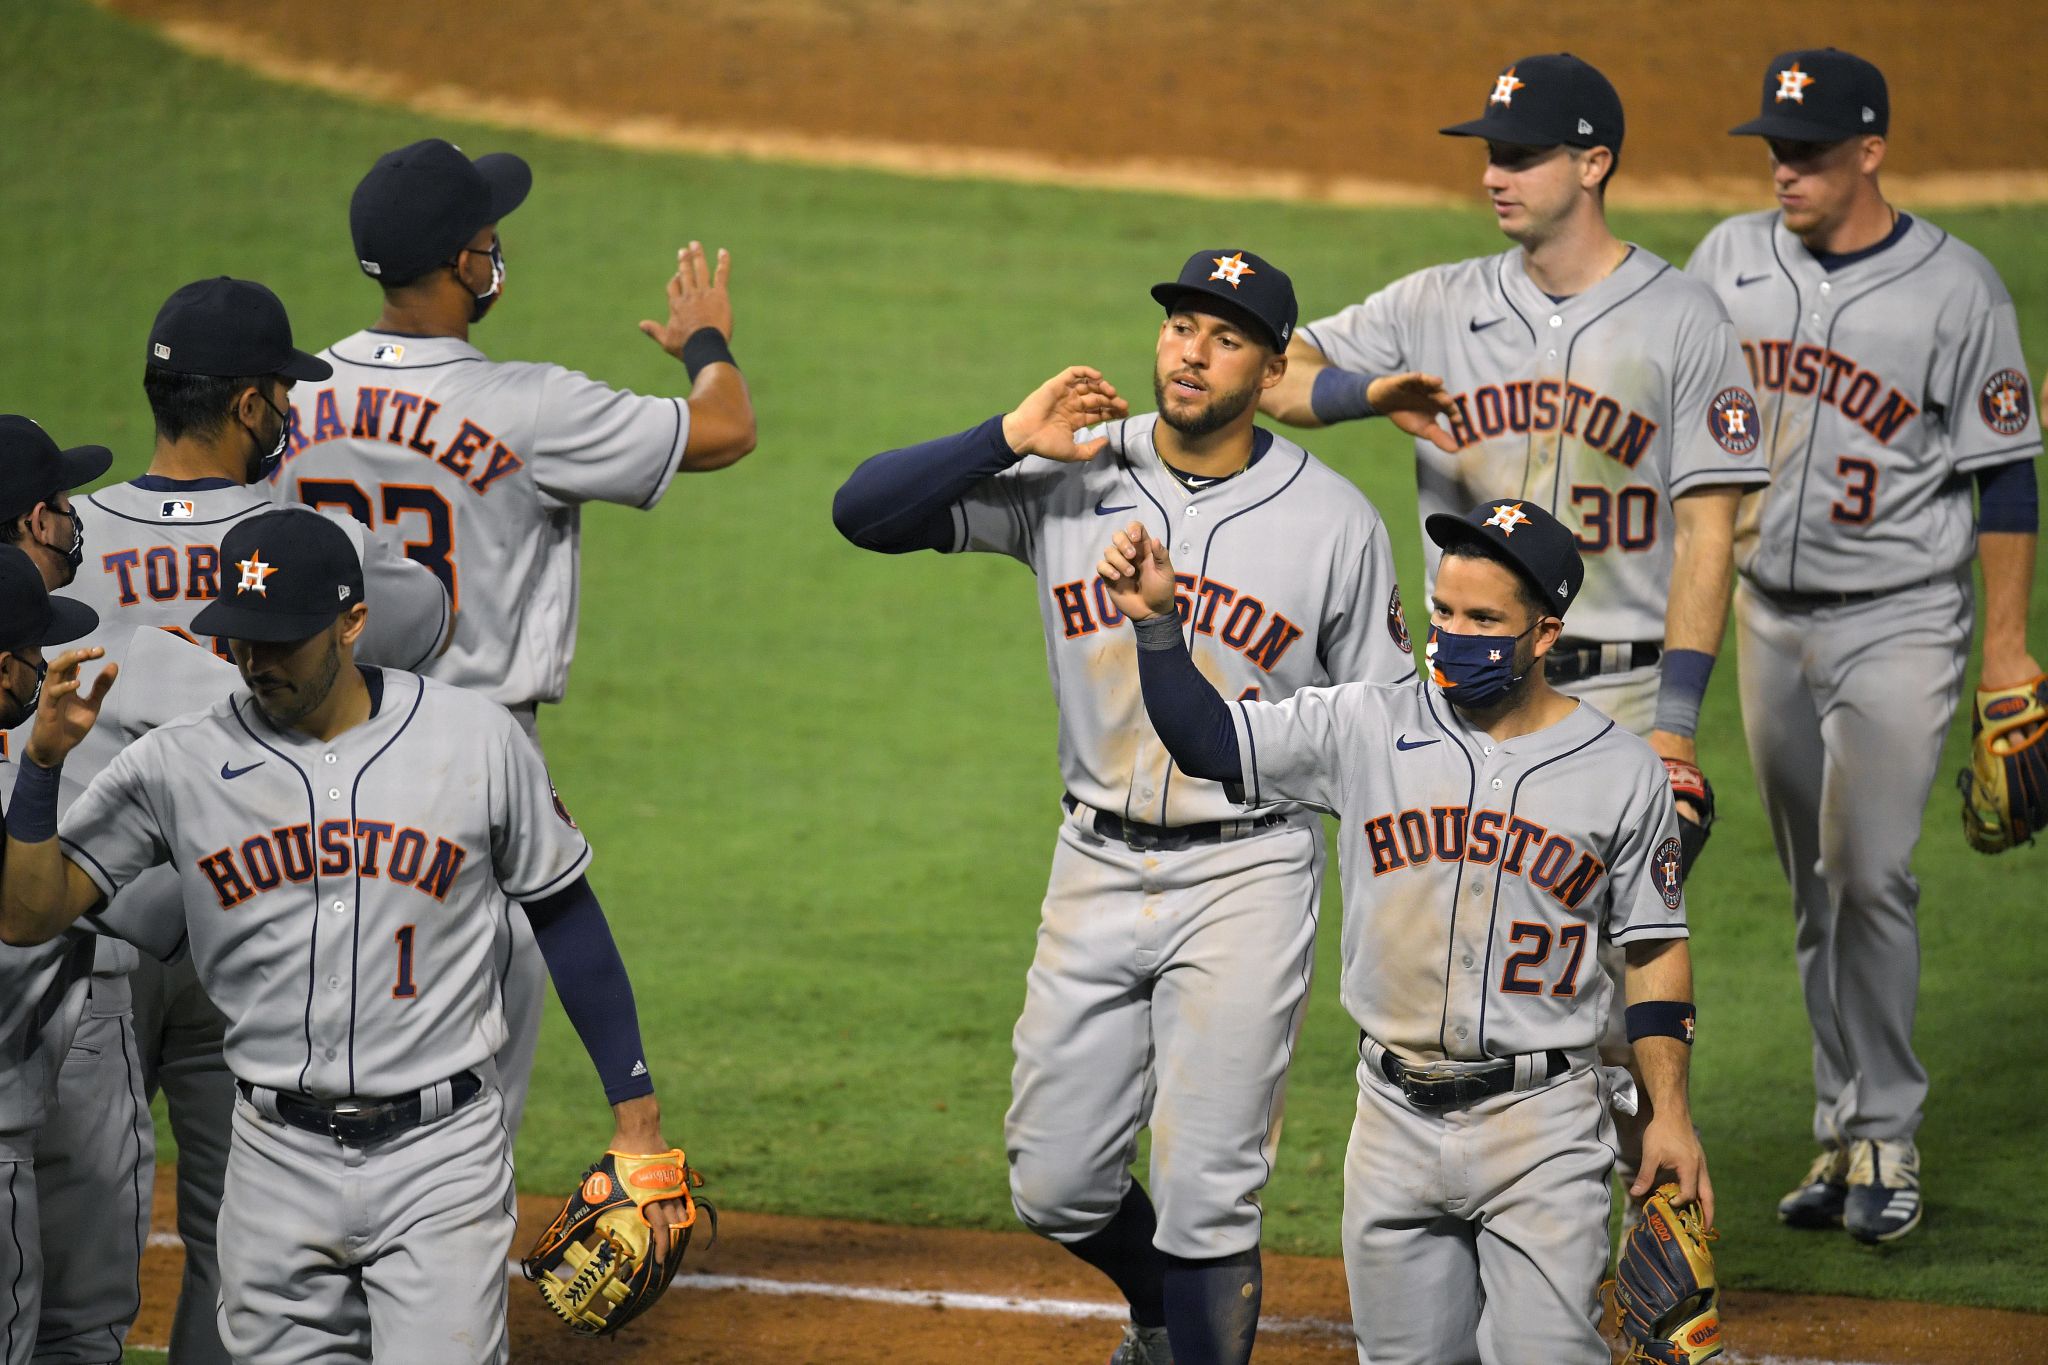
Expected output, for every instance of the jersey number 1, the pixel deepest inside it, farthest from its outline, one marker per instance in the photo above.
(403, 988)
(436, 552)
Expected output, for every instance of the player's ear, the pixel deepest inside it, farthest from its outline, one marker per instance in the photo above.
(351, 622)
(1873, 154)
(1593, 164)
(1276, 370)
(1549, 630)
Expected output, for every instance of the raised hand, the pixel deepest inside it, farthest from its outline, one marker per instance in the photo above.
(1412, 402)
(67, 711)
(1139, 573)
(697, 298)
(1075, 398)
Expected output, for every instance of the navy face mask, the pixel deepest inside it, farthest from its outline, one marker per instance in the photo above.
(1474, 671)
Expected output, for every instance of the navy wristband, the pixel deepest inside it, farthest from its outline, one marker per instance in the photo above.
(706, 346)
(32, 814)
(1340, 395)
(2009, 499)
(1681, 689)
(1661, 1019)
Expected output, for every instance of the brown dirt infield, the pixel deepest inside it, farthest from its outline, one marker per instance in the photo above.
(745, 1327)
(1317, 99)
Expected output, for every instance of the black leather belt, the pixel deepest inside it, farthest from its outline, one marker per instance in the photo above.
(1430, 1089)
(358, 1121)
(1570, 660)
(1814, 601)
(1170, 838)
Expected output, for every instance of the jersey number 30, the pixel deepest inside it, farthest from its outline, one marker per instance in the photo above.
(396, 500)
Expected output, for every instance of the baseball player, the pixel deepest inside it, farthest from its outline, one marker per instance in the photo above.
(1583, 373)
(1175, 947)
(1887, 358)
(42, 990)
(479, 469)
(344, 837)
(220, 362)
(1492, 831)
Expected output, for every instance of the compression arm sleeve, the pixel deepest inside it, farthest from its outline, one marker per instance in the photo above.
(591, 980)
(1191, 719)
(2008, 499)
(902, 500)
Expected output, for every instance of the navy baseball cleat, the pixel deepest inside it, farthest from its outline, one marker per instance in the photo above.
(1884, 1190)
(1817, 1203)
(1142, 1346)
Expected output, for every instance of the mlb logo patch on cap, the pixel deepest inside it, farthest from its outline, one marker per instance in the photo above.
(175, 509)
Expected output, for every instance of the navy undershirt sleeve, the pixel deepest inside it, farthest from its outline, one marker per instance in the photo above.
(2008, 499)
(591, 980)
(1191, 719)
(902, 500)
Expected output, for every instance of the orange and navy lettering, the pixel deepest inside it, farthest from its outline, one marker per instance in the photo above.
(165, 572)
(1838, 381)
(1547, 405)
(371, 848)
(1238, 619)
(1448, 834)
(403, 419)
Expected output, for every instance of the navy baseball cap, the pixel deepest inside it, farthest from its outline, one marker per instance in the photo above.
(1533, 540)
(29, 616)
(1546, 101)
(285, 575)
(230, 329)
(421, 204)
(1253, 288)
(1820, 95)
(34, 469)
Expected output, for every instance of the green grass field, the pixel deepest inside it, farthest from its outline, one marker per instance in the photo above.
(821, 783)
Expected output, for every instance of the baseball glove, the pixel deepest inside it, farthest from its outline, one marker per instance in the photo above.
(595, 1264)
(1688, 783)
(2005, 788)
(1664, 1286)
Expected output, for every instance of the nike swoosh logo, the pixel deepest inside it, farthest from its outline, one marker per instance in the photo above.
(228, 774)
(1744, 281)
(1102, 511)
(1478, 326)
(1404, 744)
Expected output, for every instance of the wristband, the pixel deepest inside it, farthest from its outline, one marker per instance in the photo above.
(706, 346)
(1661, 1019)
(1158, 632)
(32, 814)
(1681, 689)
(1340, 395)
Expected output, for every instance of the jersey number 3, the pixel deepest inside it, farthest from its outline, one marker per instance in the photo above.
(396, 500)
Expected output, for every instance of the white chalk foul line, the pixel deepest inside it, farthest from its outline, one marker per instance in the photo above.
(1084, 1310)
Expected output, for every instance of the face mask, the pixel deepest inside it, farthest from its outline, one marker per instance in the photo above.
(483, 301)
(266, 464)
(35, 696)
(74, 554)
(1474, 671)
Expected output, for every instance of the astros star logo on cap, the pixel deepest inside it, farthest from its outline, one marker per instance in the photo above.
(1508, 516)
(254, 572)
(1504, 87)
(1230, 269)
(1792, 83)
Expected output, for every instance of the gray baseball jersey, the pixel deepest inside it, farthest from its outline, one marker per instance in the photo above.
(341, 898)
(479, 470)
(152, 558)
(1603, 408)
(1885, 381)
(1868, 423)
(1286, 582)
(1480, 875)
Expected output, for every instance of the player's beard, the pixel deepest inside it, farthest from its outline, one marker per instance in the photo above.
(306, 697)
(1219, 412)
